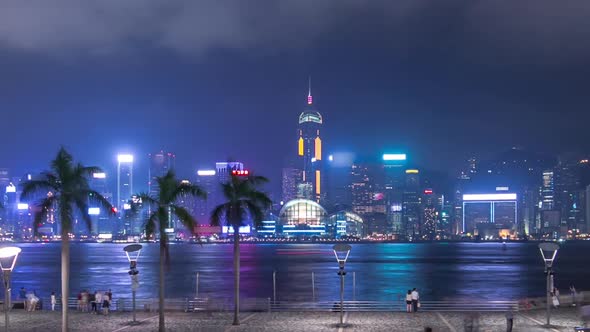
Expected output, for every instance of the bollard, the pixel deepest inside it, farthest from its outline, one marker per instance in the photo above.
(354, 286)
(274, 286)
(313, 286)
(197, 284)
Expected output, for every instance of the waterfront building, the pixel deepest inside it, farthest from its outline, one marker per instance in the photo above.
(302, 217)
(345, 223)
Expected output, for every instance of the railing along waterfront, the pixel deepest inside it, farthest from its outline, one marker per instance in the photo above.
(267, 305)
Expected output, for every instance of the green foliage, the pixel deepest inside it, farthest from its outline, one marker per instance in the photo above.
(165, 204)
(244, 200)
(64, 189)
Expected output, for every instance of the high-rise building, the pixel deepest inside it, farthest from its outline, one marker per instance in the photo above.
(208, 181)
(411, 204)
(224, 169)
(393, 166)
(309, 148)
(160, 163)
(124, 180)
(338, 171)
(291, 178)
(102, 223)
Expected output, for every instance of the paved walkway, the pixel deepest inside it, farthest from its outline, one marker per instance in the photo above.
(531, 321)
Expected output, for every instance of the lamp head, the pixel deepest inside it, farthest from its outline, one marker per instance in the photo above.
(548, 252)
(341, 251)
(132, 251)
(8, 256)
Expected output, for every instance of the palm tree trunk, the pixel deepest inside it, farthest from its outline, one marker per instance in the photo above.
(236, 275)
(65, 280)
(161, 326)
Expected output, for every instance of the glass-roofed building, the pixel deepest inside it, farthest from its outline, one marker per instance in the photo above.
(302, 217)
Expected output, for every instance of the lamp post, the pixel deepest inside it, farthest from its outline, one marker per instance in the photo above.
(132, 251)
(549, 252)
(341, 251)
(8, 256)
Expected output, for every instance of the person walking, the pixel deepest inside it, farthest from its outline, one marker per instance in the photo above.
(409, 301)
(53, 301)
(415, 299)
(106, 303)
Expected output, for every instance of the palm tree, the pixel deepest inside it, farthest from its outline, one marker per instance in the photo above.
(163, 207)
(64, 189)
(243, 200)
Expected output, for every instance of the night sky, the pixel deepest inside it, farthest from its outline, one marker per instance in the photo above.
(440, 80)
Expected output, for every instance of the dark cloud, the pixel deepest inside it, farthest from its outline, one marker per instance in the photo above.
(543, 29)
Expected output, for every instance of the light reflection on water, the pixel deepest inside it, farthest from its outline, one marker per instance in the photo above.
(382, 271)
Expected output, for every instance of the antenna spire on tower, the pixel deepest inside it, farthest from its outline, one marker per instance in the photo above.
(309, 97)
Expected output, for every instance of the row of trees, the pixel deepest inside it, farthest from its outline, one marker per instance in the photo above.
(65, 189)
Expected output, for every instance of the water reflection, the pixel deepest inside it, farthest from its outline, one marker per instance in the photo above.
(382, 271)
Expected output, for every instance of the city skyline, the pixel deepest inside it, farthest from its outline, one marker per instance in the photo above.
(395, 78)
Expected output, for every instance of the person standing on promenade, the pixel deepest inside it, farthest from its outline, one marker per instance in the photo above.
(92, 299)
(106, 303)
(110, 294)
(409, 301)
(85, 299)
(22, 293)
(79, 301)
(98, 301)
(574, 295)
(415, 299)
(53, 301)
(509, 321)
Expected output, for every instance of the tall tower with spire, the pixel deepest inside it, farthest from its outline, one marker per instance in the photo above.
(309, 150)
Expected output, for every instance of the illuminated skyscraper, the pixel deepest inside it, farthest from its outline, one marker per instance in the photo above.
(160, 163)
(291, 177)
(124, 179)
(309, 148)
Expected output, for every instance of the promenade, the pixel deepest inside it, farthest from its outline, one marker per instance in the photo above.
(564, 319)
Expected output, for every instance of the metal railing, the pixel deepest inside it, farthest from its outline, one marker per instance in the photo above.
(441, 306)
(267, 305)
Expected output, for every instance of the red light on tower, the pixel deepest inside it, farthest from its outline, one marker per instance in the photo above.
(240, 172)
(428, 191)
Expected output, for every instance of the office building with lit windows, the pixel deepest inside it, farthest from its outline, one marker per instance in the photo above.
(124, 179)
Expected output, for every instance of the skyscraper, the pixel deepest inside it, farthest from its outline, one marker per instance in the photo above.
(124, 179)
(291, 177)
(207, 180)
(160, 163)
(393, 166)
(309, 148)
(412, 204)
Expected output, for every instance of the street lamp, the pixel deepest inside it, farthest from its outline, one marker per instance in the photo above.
(132, 251)
(341, 251)
(8, 256)
(549, 252)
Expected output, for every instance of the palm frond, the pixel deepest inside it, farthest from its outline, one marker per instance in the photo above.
(95, 197)
(81, 202)
(185, 217)
(33, 187)
(42, 210)
(187, 189)
(218, 214)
